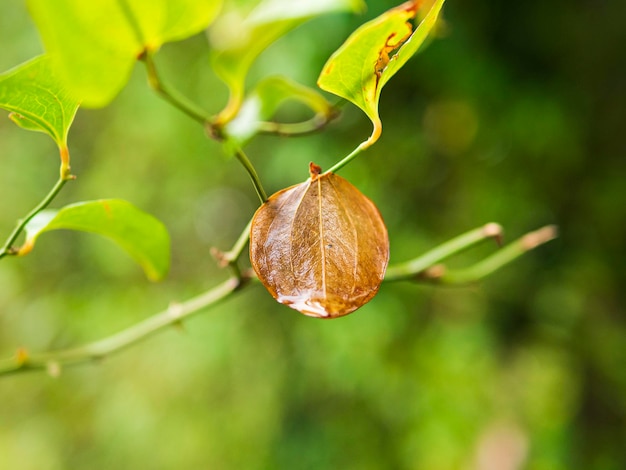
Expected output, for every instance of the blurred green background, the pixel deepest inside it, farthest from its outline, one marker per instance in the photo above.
(514, 114)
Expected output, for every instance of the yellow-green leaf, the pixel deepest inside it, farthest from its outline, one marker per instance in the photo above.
(360, 68)
(237, 42)
(37, 100)
(94, 44)
(141, 235)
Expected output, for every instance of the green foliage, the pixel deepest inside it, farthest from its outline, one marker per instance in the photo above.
(37, 100)
(142, 236)
(373, 54)
(237, 42)
(94, 57)
(514, 116)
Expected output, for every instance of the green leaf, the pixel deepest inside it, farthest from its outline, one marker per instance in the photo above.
(94, 44)
(267, 97)
(37, 100)
(143, 237)
(360, 68)
(238, 42)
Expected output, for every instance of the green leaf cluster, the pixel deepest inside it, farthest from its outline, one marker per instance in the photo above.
(91, 48)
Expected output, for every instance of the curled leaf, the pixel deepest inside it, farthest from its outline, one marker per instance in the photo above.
(320, 247)
(37, 100)
(362, 66)
(141, 235)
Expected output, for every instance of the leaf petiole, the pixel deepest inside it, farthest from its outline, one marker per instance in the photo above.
(53, 361)
(376, 132)
(247, 164)
(8, 248)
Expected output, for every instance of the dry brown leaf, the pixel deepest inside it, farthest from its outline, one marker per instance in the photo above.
(320, 247)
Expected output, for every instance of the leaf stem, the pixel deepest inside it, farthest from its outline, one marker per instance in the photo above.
(201, 117)
(247, 164)
(376, 132)
(171, 95)
(310, 126)
(8, 248)
(53, 361)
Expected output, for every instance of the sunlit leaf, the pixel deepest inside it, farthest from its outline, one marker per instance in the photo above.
(141, 235)
(94, 44)
(360, 68)
(238, 41)
(267, 97)
(37, 100)
(320, 247)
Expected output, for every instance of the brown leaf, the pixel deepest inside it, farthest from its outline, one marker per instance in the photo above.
(320, 247)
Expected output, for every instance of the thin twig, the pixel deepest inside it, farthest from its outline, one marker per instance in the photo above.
(416, 267)
(247, 164)
(419, 269)
(426, 268)
(54, 361)
(171, 95)
(499, 259)
(8, 248)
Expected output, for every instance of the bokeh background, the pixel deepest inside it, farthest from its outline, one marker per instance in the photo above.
(514, 114)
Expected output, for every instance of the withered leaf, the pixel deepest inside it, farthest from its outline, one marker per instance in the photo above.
(320, 247)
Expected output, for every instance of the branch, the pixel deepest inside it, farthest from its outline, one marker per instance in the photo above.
(421, 269)
(371, 140)
(8, 248)
(54, 361)
(427, 268)
(171, 95)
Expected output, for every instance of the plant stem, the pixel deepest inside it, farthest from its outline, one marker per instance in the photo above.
(199, 115)
(8, 248)
(247, 164)
(499, 259)
(171, 95)
(55, 360)
(310, 126)
(231, 256)
(425, 267)
(376, 132)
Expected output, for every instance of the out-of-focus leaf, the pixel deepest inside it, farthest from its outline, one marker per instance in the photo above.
(262, 103)
(141, 235)
(94, 44)
(360, 68)
(238, 41)
(37, 100)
